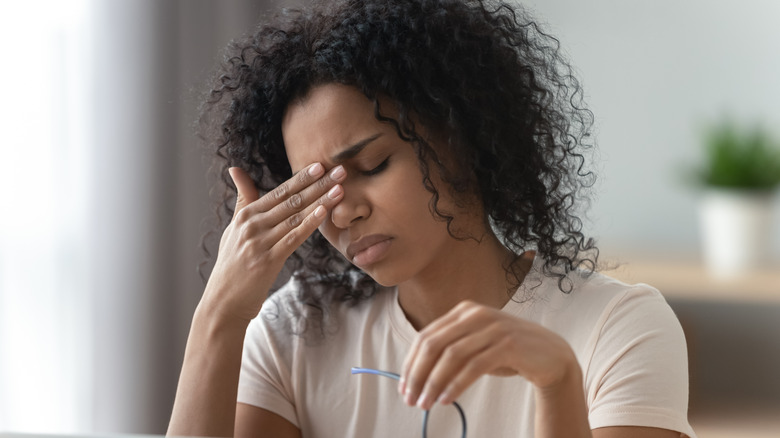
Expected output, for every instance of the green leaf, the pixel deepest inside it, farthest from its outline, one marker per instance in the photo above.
(739, 158)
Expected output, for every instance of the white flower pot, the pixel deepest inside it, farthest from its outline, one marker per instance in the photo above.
(736, 230)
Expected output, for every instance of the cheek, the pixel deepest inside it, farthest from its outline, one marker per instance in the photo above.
(327, 229)
(409, 211)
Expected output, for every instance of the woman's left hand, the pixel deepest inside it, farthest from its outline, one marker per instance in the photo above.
(472, 340)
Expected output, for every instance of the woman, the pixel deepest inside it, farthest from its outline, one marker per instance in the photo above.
(419, 164)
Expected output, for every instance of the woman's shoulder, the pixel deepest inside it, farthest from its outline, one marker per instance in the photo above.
(589, 288)
(595, 300)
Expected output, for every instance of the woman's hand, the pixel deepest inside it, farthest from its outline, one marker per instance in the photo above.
(263, 233)
(472, 340)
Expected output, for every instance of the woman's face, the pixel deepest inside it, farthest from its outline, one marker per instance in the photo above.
(384, 224)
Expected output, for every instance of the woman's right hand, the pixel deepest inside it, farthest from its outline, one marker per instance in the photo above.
(263, 233)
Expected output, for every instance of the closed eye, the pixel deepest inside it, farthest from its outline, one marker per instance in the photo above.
(378, 169)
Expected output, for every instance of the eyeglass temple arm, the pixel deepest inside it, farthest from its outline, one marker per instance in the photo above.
(358, 370)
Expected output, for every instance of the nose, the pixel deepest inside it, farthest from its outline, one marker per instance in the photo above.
(353, 207)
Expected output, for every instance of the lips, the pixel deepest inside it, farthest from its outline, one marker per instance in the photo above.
(364, 243)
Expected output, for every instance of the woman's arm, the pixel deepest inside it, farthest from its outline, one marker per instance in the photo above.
(211, 367)
(263, 233)
(560, 408)
(206, 396)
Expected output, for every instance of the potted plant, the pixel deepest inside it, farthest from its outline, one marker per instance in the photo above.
(740, 175)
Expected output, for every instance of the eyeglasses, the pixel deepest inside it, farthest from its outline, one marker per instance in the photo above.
(394, 376)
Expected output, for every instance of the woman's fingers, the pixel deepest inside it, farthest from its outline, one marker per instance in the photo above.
(285, 207)
(298, 192)
(461, 363)
(295, 237)
(430, 346)
(449, 318)
(280, 212)
(287, 216)
(288, 191)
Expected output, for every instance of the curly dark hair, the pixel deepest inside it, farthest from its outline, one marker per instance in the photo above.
(482, 72)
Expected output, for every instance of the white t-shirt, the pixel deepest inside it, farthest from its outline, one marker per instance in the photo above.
(626, 338)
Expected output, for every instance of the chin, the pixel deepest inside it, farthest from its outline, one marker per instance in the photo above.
(385, 277)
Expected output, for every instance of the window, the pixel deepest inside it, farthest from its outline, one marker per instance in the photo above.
(44, 176)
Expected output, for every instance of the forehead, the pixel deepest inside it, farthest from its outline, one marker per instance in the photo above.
(326, 121)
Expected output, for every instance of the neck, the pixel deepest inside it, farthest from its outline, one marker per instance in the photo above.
(475, 271)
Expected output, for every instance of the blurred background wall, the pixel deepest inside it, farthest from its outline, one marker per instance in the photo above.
(104, 189)
(104, 194)
(655, 74)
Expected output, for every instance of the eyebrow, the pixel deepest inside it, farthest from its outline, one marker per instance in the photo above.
(351, 151)
(355, 149)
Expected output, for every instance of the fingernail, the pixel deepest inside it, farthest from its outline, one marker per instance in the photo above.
(319, 211)
(337, 173)
(444, 398)
(335, 192)
(401, 385)
(408, 399)
(423, 401)
(316, 169)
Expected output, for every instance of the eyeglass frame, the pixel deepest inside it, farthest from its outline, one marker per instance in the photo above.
(394, 376)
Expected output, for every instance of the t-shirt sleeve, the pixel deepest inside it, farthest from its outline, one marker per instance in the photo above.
(265, 379)
(638, 375)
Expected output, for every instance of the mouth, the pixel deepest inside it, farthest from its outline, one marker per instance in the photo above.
(368, 249)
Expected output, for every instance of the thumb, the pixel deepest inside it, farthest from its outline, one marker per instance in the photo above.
(247, 192)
